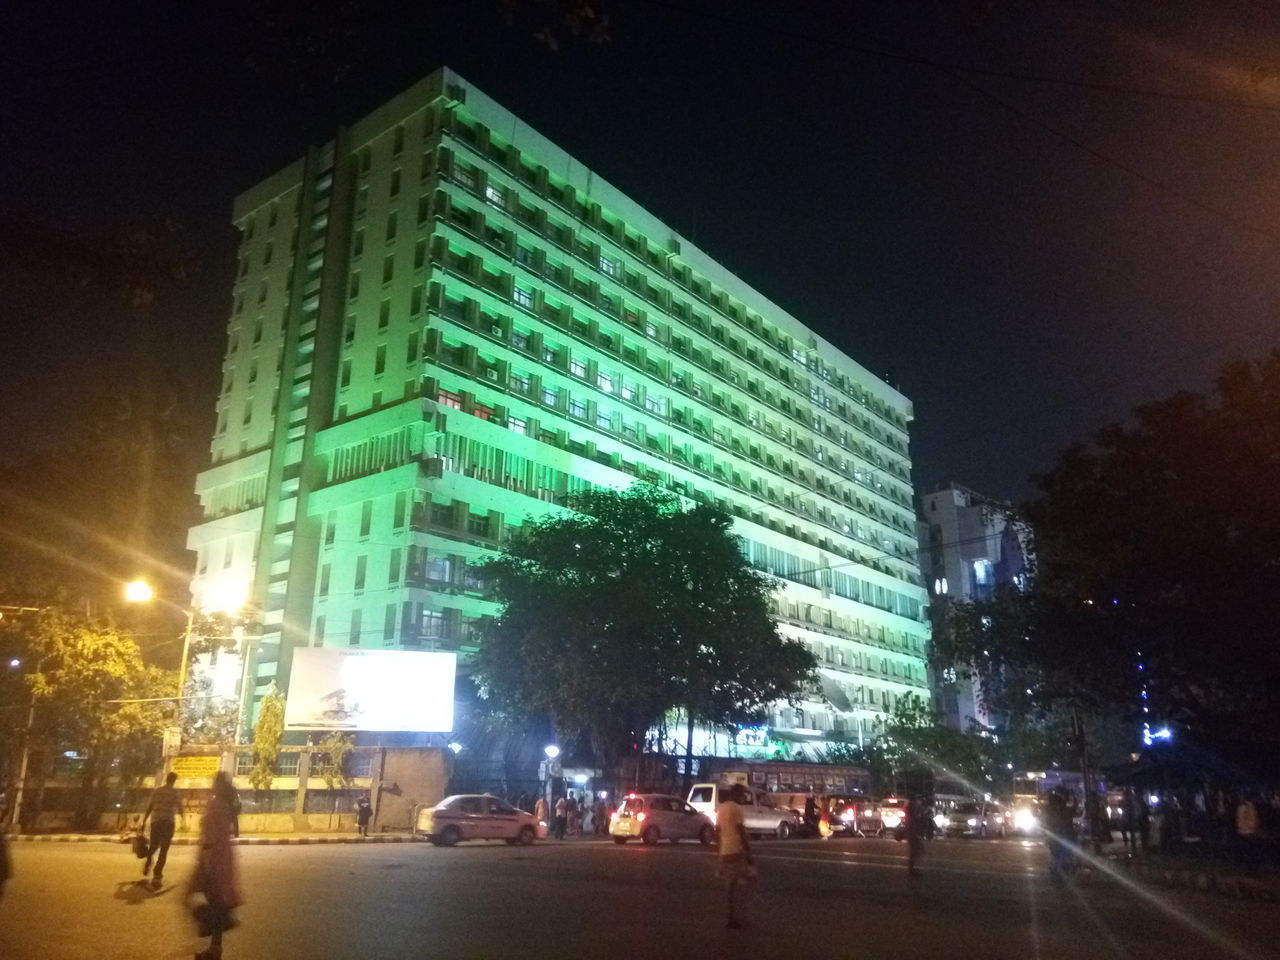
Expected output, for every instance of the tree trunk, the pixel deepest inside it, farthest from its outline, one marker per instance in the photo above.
(688, 753)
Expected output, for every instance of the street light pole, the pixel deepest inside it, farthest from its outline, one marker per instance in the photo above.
(24, 760)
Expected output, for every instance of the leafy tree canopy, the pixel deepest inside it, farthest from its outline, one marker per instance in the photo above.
(1156, 548)
(627, 606)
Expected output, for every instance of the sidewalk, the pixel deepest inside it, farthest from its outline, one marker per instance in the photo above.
(1192, 873)
(187, 840)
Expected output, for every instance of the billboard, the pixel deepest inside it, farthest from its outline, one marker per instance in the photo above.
(336, 689)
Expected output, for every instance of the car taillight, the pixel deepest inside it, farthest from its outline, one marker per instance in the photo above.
(640, 817)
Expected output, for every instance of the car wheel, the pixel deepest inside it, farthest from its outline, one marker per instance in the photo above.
(783, 831)
(448, 837)
(620, 840)
(525, 836)
(707, 835)
(650, 836)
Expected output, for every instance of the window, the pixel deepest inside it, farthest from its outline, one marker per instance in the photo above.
(519, 340)
(325, 570)
(398, 516)
(397, 142)
(608, 267)
(362, 569)
(495, 196)
(391, 225)
(656, 405)
(380, 360)
(384, 314)
(577, 408)
(354, 290)
(389, 624)
(447, 399)
(354, 639)
(442, 515)
(628, 391)
(549, 354)
(464, 175)
(519, 383)
(482, 411)
(366, 517)
(605, 382)
(578, 367)
(522, 297)
(433, 627)
(478, 524)
(388, 268)
(394, 567)
(650, 330)
(440, 568)
(550, 396)
(317, 635)
(395, 183)
(516, 425)
(604, 420)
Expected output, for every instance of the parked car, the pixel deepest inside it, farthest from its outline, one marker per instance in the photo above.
(761, 815)
(657, 816)
(976, 819)
(472, 816)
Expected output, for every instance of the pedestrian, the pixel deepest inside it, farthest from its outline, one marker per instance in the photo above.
(917, 827)
(562, 816)
(164, 808)
(1248, 831)
(364, 812)
(1129, 820)
(540, 811)
(1144, 820)
(215, 874)
(737, 868)
(1060, 830)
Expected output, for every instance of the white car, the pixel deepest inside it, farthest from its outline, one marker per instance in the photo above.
(477, 816)
(760, 815)
(656, 816)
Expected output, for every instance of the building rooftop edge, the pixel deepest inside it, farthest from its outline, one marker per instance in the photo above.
(515, 130)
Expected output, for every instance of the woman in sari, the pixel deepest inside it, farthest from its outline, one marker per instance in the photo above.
(215, 874)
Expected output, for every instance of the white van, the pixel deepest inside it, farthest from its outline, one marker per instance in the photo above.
(761, 815)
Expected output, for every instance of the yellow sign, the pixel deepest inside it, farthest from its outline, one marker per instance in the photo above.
(195, 768)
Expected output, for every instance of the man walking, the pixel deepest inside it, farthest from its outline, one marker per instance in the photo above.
(562, 816)
(737, 868)
(163, 809)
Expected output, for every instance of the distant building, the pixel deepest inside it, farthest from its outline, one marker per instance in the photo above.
(442, 324)
(969, 545)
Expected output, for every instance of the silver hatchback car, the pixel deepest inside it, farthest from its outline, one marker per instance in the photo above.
(657, 816)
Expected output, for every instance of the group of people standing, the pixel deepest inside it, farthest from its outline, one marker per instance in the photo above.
(569, 817)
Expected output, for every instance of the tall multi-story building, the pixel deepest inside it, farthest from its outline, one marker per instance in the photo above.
(442, 323)
(969, 545)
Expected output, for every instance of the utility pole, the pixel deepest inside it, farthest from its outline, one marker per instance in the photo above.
(1090, 800)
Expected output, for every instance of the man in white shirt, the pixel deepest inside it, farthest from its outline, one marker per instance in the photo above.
(164, 809)
(736, 866)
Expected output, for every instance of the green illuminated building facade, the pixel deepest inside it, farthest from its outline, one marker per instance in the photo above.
(442, 323)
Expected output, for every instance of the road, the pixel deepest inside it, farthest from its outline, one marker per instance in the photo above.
(823, 899)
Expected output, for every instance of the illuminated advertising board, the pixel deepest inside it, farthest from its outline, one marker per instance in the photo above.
(335, 689)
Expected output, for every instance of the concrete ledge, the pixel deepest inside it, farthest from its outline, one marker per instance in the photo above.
(1239, 886)
(236, 841)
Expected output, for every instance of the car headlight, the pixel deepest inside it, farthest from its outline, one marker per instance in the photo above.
(972, 821)
(940, 821)
(1024, 820)
(846, 815)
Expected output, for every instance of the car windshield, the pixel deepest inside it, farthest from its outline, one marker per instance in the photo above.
(967, 808)
(631, 805)
(700, 795)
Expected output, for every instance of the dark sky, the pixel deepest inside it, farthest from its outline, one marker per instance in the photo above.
(1025, 259)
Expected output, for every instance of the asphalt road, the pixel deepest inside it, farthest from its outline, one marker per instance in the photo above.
(832, 899)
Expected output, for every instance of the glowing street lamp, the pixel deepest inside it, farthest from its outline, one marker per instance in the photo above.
(551, 750)
(138, 591)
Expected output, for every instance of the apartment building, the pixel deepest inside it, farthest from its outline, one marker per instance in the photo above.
(970, 544)
(442, 323)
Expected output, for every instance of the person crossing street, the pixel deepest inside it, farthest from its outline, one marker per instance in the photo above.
(164, 808)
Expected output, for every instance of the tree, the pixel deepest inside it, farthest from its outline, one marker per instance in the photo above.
(332, 753)
(267, 733)
(1156, 573)
(92, 693)
(626, 607)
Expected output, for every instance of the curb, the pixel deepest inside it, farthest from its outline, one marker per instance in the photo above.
(235, 841)
(1228, 885)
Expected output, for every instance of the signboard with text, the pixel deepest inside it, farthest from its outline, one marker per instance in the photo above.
(196, 768)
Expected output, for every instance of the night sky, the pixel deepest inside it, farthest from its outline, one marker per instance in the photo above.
(1025, 259)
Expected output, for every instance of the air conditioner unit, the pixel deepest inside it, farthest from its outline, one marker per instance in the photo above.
(491, 373)
(496, 330)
